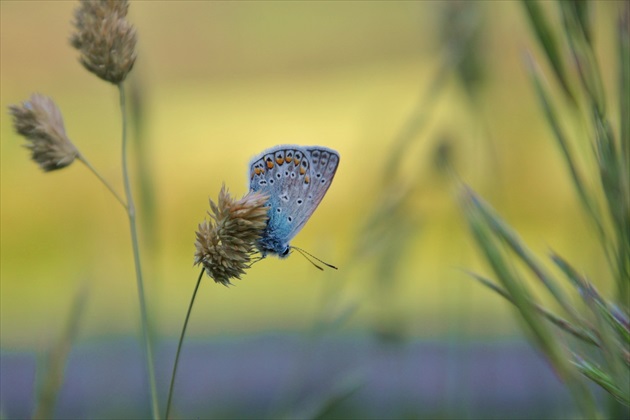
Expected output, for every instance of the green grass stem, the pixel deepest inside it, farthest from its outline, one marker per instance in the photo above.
(103, 180)
(131, 211)
(179, 346)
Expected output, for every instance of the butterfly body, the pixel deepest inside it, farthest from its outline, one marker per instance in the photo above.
(296, 179)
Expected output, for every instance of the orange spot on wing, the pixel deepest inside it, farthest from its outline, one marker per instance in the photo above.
(302, 170)
(258, 171)
(288, 159)
(307, 179)
(279, 160)
(270, 164)
(296, 161)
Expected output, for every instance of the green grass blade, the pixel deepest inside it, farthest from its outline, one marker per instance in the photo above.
(52, 381)
(584, 56)
(511, 238)
(578, 332)
(624, 82)
(486, 240)
(549, 43)
(602, 379)
(614, 317)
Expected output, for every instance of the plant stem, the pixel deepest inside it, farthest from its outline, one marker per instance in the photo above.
(131, 211)
(179, 345)
(98, 175)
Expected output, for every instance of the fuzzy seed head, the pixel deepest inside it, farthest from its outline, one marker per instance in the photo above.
(39, 120)
(226, 243)
(105, 39)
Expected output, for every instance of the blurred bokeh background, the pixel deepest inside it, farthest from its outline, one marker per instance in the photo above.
(397, 88)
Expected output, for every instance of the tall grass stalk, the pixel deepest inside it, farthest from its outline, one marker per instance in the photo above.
(179, 346)
(131, 212)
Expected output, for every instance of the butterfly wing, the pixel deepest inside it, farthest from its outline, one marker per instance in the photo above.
(296, 179)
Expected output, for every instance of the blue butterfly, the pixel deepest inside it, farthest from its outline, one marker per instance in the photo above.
(296, 179)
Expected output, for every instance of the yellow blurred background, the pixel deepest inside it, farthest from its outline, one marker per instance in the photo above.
(220, 82)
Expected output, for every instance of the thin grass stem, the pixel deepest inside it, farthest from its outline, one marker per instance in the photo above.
(98, 175)
(179, 345)
(131, 211)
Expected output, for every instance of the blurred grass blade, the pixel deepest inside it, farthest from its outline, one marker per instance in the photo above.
(511, 238)
(578, 332)
(624, 84)
(476, 215)
(578, 183)
(578, 281)
(602, 379)
(415, 123)
(320, 405)
(582, 9)
(515, 287)
(50, 384)
(549, 43)
(622, 322)
(584, 56)
(611, 314)
(609, 330)
(610, 164)
(617, 323)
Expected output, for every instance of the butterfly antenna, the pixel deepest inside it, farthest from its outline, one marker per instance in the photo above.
(304, 254)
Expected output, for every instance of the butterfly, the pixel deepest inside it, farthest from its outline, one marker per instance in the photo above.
(296, 179)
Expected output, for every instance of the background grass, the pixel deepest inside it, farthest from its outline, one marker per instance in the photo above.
(223, 81)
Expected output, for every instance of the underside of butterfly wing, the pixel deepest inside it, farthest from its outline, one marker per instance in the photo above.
(296, 179)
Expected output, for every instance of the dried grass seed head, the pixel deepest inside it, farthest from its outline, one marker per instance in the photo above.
(39, 120)
(226, 243)
(105, 39)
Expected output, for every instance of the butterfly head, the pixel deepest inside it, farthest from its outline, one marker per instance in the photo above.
(271, 245)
